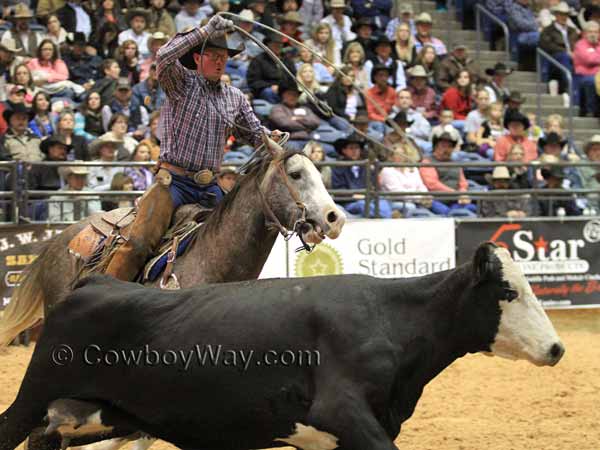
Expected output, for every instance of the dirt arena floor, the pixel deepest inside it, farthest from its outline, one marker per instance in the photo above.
(481, 403)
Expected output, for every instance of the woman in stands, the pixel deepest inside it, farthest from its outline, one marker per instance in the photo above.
(142, 176)
(306, 75)
(322, 75)
(322, 42)
(65, 127)
(106, 42)
(108, 12)
(355, 57)
(56, 33)
(427, 58)
(490, 130)
(88, 120)
(345, 100)
(41, 124)
(404, 45)
(315, 152)
(459, 99)
(128, 57)
(22, 76)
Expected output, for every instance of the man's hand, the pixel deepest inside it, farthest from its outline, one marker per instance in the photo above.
(218, 26)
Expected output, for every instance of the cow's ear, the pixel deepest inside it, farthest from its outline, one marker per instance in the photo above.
(485, 262)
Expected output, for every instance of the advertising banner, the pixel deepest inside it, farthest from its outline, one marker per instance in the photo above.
(19, 246)
(381, 248)
(561, 259)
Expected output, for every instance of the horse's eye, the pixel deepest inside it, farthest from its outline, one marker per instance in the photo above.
(296, 175)
(510, 294)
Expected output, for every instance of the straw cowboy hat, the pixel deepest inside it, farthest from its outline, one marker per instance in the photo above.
(417, 71)
(561, 8)
(595, 140)
(21, 11)
(292, 17)
(445, 136)
(101, 141)
(65, 171)
(157, 36)
(499, 173)
(424, 18)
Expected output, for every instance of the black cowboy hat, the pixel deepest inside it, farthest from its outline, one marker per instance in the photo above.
(379, 68)
(272, 37)
(516, 116)
(516, 96)
(17, 108)
(363, 21)
(445, 136)
(77, 38)
(401, 118)
(221, 42)
(498, 68)
(135, 12)
(382, 39)
(553, 171)
(53, 140)
(552, 138)
(288, 84)
(354, 138)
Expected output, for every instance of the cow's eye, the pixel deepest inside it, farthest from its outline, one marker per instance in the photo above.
(510, 294)
(296, 175)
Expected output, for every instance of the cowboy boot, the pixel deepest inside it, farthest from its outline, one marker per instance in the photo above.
(152, 220)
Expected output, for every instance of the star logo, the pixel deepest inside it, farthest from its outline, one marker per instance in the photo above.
(323, 260)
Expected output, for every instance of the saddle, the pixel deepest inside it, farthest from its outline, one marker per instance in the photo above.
(106, 231)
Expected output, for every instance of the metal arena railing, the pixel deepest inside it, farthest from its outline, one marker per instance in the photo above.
(18, 205)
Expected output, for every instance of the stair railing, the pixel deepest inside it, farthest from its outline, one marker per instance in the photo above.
(482, 10)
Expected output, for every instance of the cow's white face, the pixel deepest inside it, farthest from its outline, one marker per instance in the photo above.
(525, 331)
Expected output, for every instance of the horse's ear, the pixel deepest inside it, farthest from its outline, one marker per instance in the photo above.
(272, 147)
(485, 262)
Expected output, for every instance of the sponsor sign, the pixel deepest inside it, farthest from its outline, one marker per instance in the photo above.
(561, 259)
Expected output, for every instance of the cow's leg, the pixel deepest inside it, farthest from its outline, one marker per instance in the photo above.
(347, 418)
(16, 423)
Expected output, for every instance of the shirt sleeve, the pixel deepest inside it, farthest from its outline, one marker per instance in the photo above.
(248, 119)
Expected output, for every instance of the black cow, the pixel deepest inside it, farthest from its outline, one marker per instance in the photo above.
(370, 346)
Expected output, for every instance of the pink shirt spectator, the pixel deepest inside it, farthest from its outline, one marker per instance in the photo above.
(505, 143)
(586, 57)
(432, 181)
(424, 99)
(52, 72)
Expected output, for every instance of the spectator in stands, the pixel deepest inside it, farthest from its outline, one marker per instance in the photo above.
(355, 58)
(41, 124)
(121, 103)
(404, 45)
(378, 10)
(108, 12)
(354, 177)
(511, 207)
(306, 57)
(128, 58)
(306, 76)
(423, 96)
(453, 64)
(315, 152)
(117, 131)
(19, 94)
(47, 178)
(559, 41)
(495, 86)
(445, 126)
(151, 138)
(155, 42)
(420, 129)
(458, 98)
(555, 124)
(490, 130)
(107, 41)
(65, 127)
(552, 206)
(428, 59)
(9, 61)
(67, 208)
(20, 36)
(300, 121)
(88, 120)
(380, 98)
(105, 150)
(159, 19)
(264, 76)
(424, 23)
(514, 103)
(148, 93)
(74, 17)
(190, 15)
(238, 64)
(521, 176)
(137, 18)
(476, 117)
(384, 55)
(290, 24)
(404, 15)
(19, 143)
(553, 144)
(345, 100)
(590, 175)
(522, 22)
(586, 61)
(56, 33)
(120, 182)
(535, 131)
(546, 16)
(364, 28)
(362, 123)
(446, 179)
(341, 25)
(84, 68)
(261, 15)
(517, 125)
(324, 45)
(106, 85)
(142, 177)
(402, 136)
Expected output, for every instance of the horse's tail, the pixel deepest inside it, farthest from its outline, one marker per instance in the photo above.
(26, 307)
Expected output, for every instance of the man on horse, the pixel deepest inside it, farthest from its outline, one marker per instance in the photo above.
(200, 113)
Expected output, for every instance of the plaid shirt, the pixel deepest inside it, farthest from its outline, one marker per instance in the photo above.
(193, 132)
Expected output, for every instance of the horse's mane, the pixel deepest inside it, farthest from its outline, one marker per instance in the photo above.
(250, 172)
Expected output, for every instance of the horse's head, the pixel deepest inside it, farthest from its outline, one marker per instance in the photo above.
(294, 190)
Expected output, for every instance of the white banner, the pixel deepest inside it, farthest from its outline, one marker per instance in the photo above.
(276, 265)
(382, 248)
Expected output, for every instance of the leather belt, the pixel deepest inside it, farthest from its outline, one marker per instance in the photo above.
(202, 177)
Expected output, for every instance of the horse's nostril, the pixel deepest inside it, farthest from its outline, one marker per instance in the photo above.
(556, 351)
(332, 217)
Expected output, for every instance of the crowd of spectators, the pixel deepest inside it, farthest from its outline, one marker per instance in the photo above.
(78, 82)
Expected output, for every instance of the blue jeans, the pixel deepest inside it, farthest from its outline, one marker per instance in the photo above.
(587, 93)
(357, 208)
(270, 96)
(454, 210)
(555, 74)
(339, 123)
(185, 191)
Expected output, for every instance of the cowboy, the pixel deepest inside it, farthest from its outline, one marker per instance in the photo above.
(495, 85)
(424, 23)
(65, 208)
(196, 120)
(137, 18)
(19, 143)
(84, 69)
(515, 208)
(20, 36)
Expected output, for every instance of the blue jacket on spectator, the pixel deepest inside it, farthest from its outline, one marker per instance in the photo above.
(84, 69)
(144, 95)
(39, 129)
(497, 7)
(378, 9)
(520, 18)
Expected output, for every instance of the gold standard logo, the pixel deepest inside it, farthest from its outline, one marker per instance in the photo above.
(323, 260)
(591, 231)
